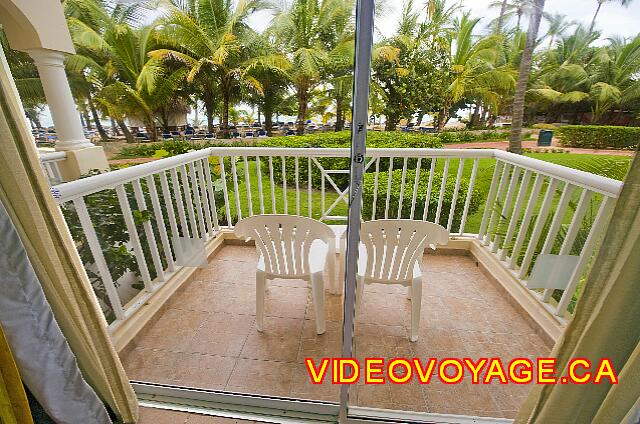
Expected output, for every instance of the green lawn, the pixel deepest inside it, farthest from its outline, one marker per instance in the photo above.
(611, 166)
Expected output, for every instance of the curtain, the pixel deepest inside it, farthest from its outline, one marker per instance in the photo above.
(605, 325)
(14, 407)
(47, 366)
(43, 231)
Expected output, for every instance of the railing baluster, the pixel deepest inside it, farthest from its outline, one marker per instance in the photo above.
(491, 198)
(168, 203)
(576, 222)
(273, 186)
(212, 195)
(284, 186)
(309, 188)
(148, 231)
(375, 189)
(162, 229)
(133, 237)
(539, 227)
(195, 190)
(260, 193)
(297, 177)
(188, 190)
(236, 190)
(467, 202)
(606, 208)
(558, 217)
(501, 188)
(432, 170)
(454, 201)
(506, 207)
(247, 181)
(517, 210)
(389, 181)
(404, 177)
(443, 186)
(98, 257)
(179, 202)
(225, 191)
(526, 220)
(416, 182)
(206, 207)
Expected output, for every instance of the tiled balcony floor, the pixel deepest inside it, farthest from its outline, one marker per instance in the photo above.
(207, 338)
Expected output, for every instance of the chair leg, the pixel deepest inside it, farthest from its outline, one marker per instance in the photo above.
(317, 290)
(416, 304)
(359, 295)
(331, 270)
(261, 285)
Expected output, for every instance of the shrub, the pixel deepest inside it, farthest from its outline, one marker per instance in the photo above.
(421, 197)
(542, 126)
(599, 137)
(173, 148)
(343, 140)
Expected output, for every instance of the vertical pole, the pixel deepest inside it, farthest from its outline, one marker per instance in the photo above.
(360, 113)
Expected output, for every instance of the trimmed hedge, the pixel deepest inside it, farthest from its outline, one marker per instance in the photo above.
(599, 137)
(342, 140)
(421, 197)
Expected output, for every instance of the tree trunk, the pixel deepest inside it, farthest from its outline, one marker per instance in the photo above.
(225, 115)
(150, 127)
(595, 16)
(259, 119)
(114, 128)
(392, 122)
(515, 140)
(473, 122)
(125, 131)
(96, 119)
(82, 121)
(87, 121)
(339, 116)
(503, 11)
(268, 115)
(302, 110)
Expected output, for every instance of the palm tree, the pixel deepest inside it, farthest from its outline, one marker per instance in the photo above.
(208, 38)
(515, 142)
(309, 31)
(624, 3)
(475, 69)
(615, 82)
(509, 10)
(558, 25)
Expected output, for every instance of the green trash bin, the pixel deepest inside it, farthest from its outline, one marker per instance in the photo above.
(544, 138)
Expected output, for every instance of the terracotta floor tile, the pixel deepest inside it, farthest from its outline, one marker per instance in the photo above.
(261, 377)
(207, 337)
(203, 371)
(161, 416)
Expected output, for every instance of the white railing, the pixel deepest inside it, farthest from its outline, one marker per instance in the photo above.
(50, 167)
(532, 207)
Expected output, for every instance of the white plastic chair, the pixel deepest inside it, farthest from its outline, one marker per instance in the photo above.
(290, 247)
(391, 251)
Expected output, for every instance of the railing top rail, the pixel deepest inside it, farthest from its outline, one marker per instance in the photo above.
(344, 152)
(85, 186)
(603, 185)
(74, 189)
(52, 156)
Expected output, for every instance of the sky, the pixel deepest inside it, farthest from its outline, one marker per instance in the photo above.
(612, 20)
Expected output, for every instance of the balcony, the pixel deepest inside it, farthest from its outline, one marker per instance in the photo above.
(191, 323)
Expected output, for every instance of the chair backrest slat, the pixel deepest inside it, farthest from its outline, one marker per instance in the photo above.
(394, 245)
(284, 241)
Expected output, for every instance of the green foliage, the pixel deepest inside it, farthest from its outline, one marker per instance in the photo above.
(171, 148)
(599, 137)
(343, 140)
(544, 127)
(407, 187)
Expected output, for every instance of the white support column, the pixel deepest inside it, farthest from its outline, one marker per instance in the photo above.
(50, 64)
